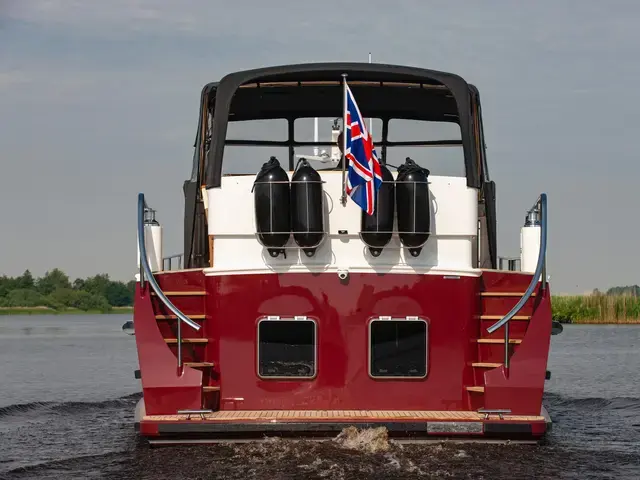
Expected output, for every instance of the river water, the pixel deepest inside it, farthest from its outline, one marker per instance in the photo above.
(67, 395)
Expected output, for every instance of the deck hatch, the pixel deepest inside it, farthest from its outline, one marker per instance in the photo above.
(398, 348)
(287, 348)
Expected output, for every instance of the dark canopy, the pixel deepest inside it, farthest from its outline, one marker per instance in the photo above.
(314, 90)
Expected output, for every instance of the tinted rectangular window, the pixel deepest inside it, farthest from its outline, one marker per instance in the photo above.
(439, 159)
(303, 128)
(287, 348)
(248, 159)
(398, 348)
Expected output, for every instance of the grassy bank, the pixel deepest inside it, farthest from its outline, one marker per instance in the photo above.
(581, 309)
(596, 309)
(62, 311)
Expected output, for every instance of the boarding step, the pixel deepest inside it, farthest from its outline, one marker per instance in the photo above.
(486, 365)
(175, 317)
(278, 416)
(186, 293)
(500, 317)
(504, 294)
(173, 341)
(475, 389)
(515, 341)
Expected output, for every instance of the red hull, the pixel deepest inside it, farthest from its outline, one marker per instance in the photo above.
(462, 375)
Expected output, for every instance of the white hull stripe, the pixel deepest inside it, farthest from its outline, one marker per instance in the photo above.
(396, 270)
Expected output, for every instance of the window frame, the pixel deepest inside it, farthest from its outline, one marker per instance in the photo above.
(292, 318)
(396, 319)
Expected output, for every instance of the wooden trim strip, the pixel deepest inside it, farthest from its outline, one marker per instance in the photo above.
(185, 270)
(208, 388)
(504, 294)
(242, 416)
(172, 341)
(499, 340)
(475, 389)
(499, 317)
(371, 83)
(199, 364)
(211, 247)
(186, 293)
(486, 365)
(512, 272)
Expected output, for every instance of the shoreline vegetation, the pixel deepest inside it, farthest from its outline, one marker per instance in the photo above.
(43, 310)
(55, 294)
(612, 308)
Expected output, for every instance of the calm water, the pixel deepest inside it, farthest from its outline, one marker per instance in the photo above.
(67, 395)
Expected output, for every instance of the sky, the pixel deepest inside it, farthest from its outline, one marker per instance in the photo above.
(99, 101)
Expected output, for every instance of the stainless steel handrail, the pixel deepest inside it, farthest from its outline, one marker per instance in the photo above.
(169, 260)
(541, 270)
(145, 269)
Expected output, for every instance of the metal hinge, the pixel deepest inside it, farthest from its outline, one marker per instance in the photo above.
(498, 412)
(194, 412)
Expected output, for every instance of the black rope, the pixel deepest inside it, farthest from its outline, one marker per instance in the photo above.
(410, 166)
(272, 164)
(304, 162)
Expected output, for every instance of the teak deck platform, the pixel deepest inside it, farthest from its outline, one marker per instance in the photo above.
(336, 415)
(402, 425)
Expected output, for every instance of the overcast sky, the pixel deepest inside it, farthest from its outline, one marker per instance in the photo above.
(99, 101)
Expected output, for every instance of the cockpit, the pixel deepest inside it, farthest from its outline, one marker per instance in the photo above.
(433, 145)
(293, 112)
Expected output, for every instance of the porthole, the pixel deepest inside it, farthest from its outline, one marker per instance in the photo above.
(287, 348)
(398, 347)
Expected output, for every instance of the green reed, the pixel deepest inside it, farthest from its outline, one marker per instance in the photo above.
(596, 308)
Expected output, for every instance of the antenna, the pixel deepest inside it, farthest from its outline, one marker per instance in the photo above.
(315, 135)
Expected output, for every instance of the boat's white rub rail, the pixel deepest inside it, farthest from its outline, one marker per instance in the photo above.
(396, 269)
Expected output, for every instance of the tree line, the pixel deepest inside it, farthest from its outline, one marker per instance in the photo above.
(626, 291)
(55, 290)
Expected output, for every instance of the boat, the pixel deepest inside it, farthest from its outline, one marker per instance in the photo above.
(293, 312)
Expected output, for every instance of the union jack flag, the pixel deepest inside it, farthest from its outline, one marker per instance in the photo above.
(364, 174)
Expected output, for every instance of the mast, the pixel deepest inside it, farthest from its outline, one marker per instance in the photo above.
(343, 199)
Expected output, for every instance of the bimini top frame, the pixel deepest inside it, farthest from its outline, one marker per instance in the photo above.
(314, 90)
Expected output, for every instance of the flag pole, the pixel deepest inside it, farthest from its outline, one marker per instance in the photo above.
(370, 119)
(343, 199)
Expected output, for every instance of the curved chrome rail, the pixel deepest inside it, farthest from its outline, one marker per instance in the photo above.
(541, 270)
(145, 270)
